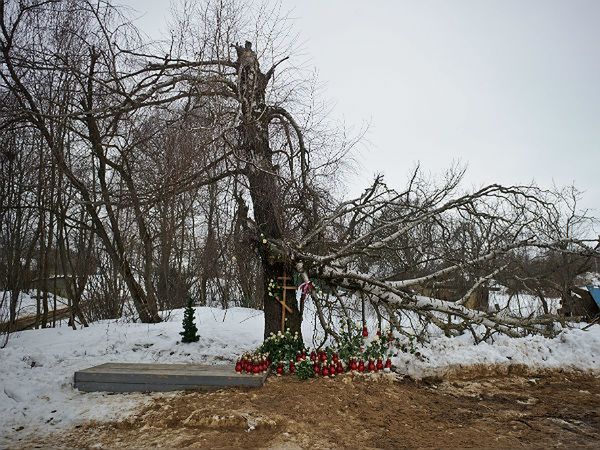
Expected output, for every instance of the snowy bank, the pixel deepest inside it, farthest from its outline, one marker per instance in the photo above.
(37, 366)
(572, 349)
(27, 304)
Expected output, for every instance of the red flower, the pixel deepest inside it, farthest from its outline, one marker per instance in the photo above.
(365, 332)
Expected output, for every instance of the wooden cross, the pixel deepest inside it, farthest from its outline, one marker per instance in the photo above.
(284, 305)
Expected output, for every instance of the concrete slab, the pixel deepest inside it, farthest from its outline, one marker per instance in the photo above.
(136, 377)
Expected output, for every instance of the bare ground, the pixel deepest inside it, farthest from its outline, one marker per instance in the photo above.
(478, 408)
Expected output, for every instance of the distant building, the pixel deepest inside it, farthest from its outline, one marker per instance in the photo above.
(585, 303)
(53, 284)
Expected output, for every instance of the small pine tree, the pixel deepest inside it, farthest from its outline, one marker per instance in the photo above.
(190, 331)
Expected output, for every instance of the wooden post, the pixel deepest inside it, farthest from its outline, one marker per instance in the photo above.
(284, 305)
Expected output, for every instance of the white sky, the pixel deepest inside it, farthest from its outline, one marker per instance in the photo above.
(510, 87)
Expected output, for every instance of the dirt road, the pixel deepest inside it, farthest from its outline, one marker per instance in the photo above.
(548, 410)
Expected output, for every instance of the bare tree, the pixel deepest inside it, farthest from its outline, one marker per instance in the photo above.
(199, 167)
(394, 248)
(19, 219)
(63, 65)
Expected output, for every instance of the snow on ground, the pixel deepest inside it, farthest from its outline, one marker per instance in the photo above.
(27, 304)
(590, 278)
(572, 349)
(523, 305)
(37, 366)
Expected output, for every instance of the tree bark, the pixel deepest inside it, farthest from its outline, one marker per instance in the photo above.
(262, 181)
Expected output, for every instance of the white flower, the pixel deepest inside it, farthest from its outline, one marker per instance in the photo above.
(264, 241)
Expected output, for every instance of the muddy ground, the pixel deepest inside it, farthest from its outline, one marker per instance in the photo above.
(508, 410)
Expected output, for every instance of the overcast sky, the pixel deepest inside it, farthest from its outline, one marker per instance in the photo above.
(511, 88)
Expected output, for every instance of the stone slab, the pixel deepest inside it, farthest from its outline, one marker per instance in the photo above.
(134, 377)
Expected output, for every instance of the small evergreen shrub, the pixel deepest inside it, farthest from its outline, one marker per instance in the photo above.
(190, 332)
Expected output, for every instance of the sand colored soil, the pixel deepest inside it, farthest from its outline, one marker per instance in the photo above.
(475, 409)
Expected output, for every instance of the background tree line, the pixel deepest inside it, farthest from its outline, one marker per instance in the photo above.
(146, 173)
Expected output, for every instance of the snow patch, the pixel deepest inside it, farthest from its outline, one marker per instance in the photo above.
(37, 366)
(572, 349)
(36, 374)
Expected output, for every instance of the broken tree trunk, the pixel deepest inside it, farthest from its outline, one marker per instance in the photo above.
(262, 181)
